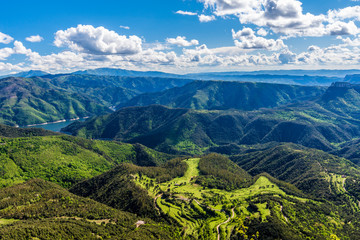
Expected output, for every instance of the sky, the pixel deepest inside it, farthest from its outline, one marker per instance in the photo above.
(179, 36)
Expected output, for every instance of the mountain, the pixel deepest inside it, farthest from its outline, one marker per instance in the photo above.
(313, 171)
(304, 80)
(126, 73)
(116, 189)
(295, 72)
(355, 78)
(313, 124)
(28, 74)
(219, 95)
(66, 160)
(38, 209)
(25, 101)
(113, 90)
(212, 198)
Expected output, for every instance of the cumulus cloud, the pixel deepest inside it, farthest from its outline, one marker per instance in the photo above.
(35, 38)
(186, 13)
(4, 38)
(18, 48)
(182, 42)
(98, 41)
(205, 18)
(286, 17)
(344, 13)
(230, 7)
(246, 39)
(342, 28)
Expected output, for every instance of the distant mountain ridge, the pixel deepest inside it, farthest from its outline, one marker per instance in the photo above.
(28, 74)
(331, 118)
(221, 95)
(126, 73)
(25, 101)
(35, 100)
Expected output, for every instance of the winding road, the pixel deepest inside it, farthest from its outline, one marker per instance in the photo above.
(228, 220)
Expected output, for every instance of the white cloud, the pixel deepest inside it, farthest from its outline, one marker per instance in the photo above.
(231, 7)
(186, 13)
(286, 17)
(246, 39)
(182, 42)
(5, 53)
(344, 13)
(205, 18)
(35, 38)
(99, 41)
(124, 27)
(262, 32)
(17, 49)
(341, 28)
(4, 38)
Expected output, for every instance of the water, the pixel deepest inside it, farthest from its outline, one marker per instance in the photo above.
(55, 127)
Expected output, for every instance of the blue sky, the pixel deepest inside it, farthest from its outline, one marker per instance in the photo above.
(179, 35)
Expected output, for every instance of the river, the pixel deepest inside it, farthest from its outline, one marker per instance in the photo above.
(56, 126)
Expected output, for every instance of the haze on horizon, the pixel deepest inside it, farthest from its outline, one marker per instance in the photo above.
(179, 36)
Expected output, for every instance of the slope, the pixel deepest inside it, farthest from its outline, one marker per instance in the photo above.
(25, 101)
(67, 160)
(113, 90)
(314, 172)
(41, 210)
(261, 206)
(227, 95)
(194, 131)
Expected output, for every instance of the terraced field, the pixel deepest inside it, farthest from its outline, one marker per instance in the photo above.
(205, 212)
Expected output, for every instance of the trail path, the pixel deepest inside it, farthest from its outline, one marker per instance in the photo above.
(228, 220)
(343, 184)
(156, 206)
(281, 210)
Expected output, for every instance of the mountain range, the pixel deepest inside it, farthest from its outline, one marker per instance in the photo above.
(173, 157)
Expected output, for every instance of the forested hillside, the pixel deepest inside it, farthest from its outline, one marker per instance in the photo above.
(222, 95)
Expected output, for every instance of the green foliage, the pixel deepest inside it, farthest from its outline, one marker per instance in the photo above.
(67, 160)
(27, 101)
(116, 188)
(47, 211)
(312, 124)
(219, 172)
(227, 95)
(308, 169)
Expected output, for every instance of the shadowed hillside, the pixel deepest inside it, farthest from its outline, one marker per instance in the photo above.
(227, 95)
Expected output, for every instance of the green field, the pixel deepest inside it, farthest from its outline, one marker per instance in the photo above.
(200, 210)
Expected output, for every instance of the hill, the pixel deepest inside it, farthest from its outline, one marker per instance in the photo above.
(113, 90)
(261, 207)
(43, 210)
(66, 160)
(315, 172)
(116, 189)
(25, 101)
(49, 98)
(313, 124)
(219, 95)
(12, 132)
